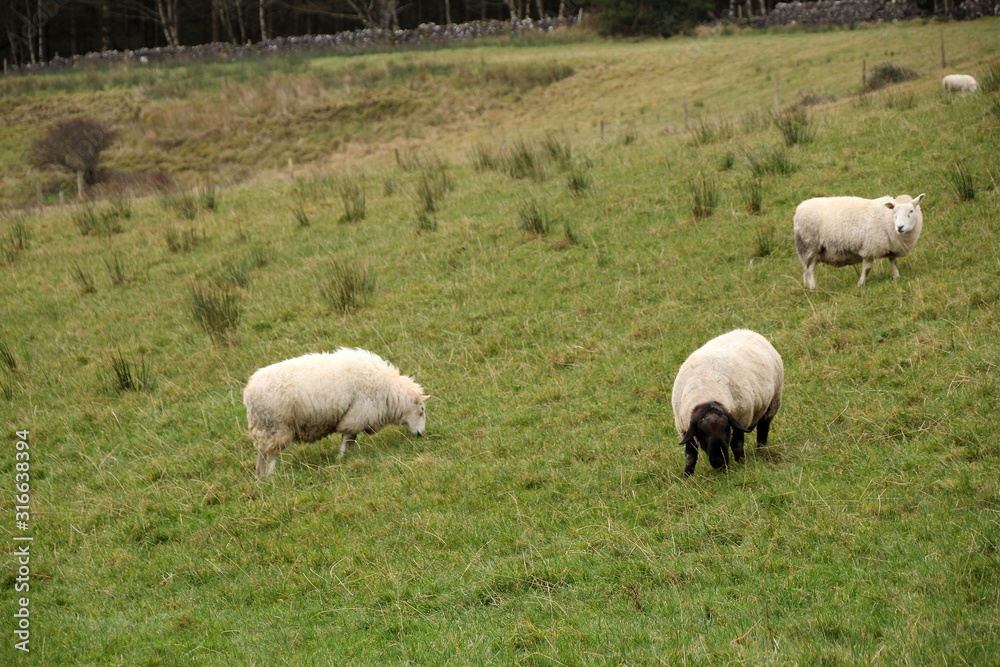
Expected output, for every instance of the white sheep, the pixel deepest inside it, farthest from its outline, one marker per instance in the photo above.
(305, 399)
(847, 230)
(959, 83)
(726, 388)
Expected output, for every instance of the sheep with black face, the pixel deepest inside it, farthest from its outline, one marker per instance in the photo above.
(726, 388)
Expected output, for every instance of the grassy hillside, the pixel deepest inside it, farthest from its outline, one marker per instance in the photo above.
(544, 518)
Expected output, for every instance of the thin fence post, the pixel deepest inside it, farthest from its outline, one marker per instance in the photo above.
(864, 75)
(943, 63)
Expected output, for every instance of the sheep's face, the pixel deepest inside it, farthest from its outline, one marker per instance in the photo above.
(714, 435)
(415, 418)
(711, 428)
(906, 215)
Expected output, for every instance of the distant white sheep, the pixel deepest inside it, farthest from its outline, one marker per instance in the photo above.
(959, 83)
(847, 230)
(305, 399)
(726, 388)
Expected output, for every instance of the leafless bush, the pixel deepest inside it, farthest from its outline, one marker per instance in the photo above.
(73, 145)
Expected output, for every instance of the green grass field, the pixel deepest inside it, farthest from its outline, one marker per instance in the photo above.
(544, 285)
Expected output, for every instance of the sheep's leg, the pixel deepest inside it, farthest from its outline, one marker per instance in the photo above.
(691, 452)
(763, 427)
(895, 269)
(737, 445)
(866, 266)
(266, 463)
(346, 444)
(269, 444)
(809, 273)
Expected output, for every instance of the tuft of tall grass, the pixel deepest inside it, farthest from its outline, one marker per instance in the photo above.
(425, 222)
(119, 270)
(532, 218)
(755, 120)
(7, 358)
(217, 309)
(121, 206)
(773, 161)
(795, 126)
(300, 215)
(389, 186)
(347, 287)
(887, 74)
(522, 162)
(578, 181)
(630, 135)
(704, 195)
(84, 278)
(432, 184)
(752, 192)
(16, 240)
(728, 161)
(184, 240)
(257, 257)
(765, 241)
(126, 375)
(483, 159)
(352, 196)
(183, 202)
(707, 130)
(962, 182)
(104, 223)
(990, 81)
(558, 150)
(207, 197)
(570, 237)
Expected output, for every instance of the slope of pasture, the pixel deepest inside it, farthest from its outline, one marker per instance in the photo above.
(544, 518)
(232, 121)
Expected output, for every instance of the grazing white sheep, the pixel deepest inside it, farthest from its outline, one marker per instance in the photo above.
(958, 83)
(847, 230)
(727, 387)
(307, 398)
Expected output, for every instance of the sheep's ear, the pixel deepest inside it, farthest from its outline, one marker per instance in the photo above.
(917, 200)
(425, 397)
(890, 205)
(735, 423)
(689, 436)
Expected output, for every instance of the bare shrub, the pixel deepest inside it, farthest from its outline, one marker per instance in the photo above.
(73, 145)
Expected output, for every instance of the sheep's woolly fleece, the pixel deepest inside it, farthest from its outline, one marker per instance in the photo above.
(304, 399)
(740, 369)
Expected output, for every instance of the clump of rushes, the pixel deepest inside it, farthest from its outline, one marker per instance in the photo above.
(184, 240)
(521, 162)
(962, 182)
(773, 161)
(765, 241)
(217, 309)
(7, 358)
(119, 270)
(347, 287)
(704, 195)
(126, 375)
(352, 196)
(753, 195)
(300, 215)
(532, 218)
(795, 126)
(578, 181)
(84, 278)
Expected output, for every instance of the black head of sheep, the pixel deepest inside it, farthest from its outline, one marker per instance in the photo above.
(712, 427)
